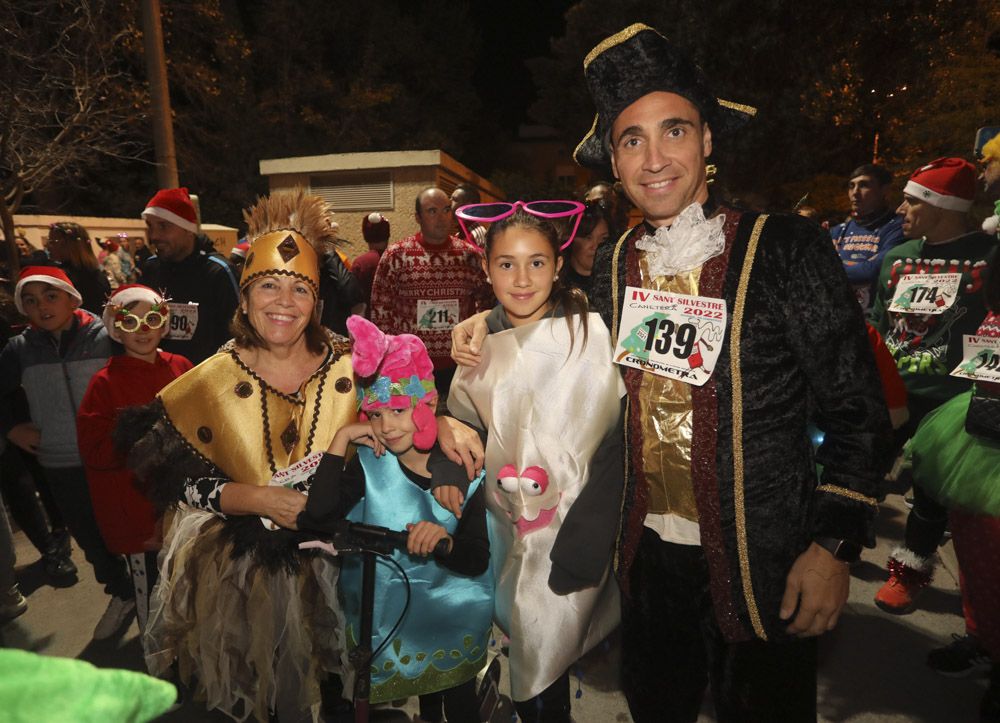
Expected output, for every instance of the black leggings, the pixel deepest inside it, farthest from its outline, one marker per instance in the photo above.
(461, 705)
(550, 706)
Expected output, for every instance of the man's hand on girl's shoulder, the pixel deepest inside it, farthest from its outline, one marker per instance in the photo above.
(467, 340)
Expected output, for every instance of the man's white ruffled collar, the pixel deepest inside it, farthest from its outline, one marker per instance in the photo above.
(686, 244)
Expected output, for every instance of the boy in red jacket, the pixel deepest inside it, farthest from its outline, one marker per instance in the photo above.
(137, 317)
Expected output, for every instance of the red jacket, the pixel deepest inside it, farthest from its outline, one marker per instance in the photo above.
(125, 517)
(892, 383)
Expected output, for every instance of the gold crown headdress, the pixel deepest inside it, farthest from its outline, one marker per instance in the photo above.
(286, 232)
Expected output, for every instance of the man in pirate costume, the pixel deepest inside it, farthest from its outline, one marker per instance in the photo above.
(731, 556)
(248, 616)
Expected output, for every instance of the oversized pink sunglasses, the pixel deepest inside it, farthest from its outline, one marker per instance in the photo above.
(490, 212)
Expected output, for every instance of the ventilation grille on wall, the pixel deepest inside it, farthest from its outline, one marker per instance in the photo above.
(354, 192)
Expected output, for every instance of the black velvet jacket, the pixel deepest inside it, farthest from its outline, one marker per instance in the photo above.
(800, 353)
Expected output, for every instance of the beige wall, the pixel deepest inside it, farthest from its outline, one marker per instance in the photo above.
(411, 172)
(407, 183)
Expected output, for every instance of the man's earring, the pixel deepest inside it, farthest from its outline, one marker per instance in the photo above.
(710, 171)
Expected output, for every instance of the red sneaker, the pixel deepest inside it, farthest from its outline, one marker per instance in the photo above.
(906, 581)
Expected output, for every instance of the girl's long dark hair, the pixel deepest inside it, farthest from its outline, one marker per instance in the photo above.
(572, 300)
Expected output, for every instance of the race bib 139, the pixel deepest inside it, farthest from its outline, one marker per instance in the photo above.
(673, 335)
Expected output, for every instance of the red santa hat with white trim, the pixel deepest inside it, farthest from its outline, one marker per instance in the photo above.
(51, 275)
(173, 205)
(948, 183)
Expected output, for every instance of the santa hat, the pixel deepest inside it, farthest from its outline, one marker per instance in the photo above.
(51, 275)
(241, 249)
(399, 375)
(375, 228)
(173, 205)
(121, 298)
(948, 183)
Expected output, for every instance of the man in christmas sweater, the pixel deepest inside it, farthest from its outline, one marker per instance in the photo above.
(929, 297)
(863, 240)
(428, 282)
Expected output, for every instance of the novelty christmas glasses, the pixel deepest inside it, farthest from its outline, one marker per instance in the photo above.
(490, 212)
(152, 319)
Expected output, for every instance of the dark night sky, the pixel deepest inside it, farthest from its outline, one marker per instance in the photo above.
(513, 32)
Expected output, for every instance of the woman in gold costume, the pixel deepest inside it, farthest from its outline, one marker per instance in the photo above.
(251, 621)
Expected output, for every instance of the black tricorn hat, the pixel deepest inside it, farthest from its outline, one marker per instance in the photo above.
(638, 61)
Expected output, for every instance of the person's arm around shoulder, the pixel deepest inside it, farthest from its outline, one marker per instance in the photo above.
(336, 486)
(467, 339)
(280, 504)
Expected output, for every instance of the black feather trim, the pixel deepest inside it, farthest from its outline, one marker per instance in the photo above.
(275, 550)
(160, 457)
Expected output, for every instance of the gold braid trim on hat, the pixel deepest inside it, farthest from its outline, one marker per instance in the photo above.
(617, 39)
(592, 131)
(287, 232)
(748, 109)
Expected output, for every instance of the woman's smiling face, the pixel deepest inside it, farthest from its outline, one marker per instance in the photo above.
(279, 308)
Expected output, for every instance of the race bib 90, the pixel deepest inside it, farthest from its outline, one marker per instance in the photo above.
(673, 335)
(183, 321)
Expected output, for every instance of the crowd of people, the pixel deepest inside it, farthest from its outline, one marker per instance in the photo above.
(582, 423)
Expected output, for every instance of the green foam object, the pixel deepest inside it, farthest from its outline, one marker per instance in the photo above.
(45, 688)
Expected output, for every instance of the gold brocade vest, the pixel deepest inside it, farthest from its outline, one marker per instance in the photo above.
(667, 420)
(248, 429)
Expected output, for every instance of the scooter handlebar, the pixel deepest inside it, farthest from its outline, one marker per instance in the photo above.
(380, 538)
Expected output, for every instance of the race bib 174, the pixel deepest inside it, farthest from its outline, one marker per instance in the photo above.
(925, 293)
(672, 335)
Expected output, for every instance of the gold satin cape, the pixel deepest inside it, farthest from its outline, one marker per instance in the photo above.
(218, 408)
